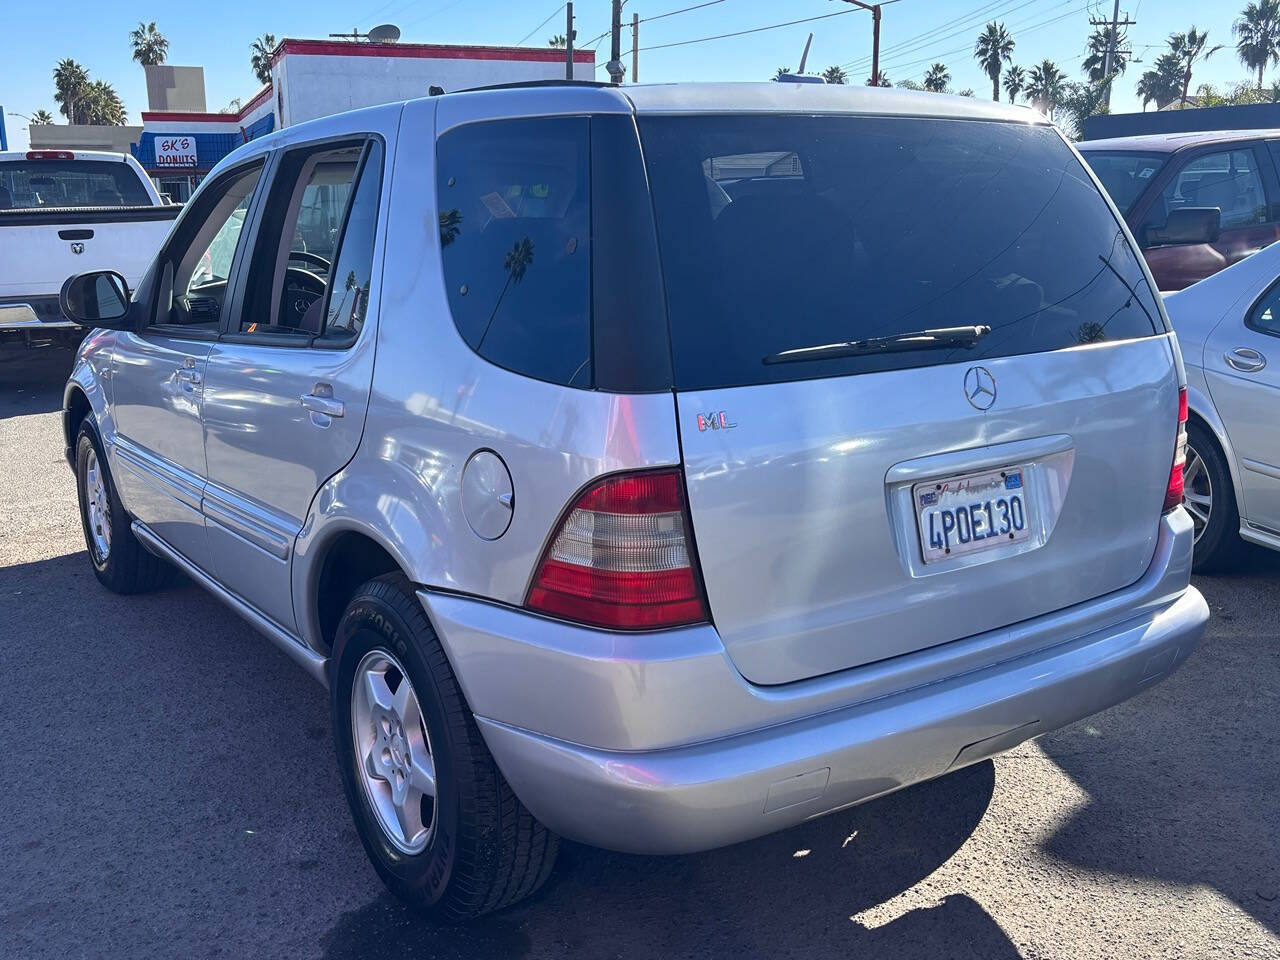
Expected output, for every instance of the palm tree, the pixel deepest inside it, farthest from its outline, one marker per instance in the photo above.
(103, 105)
(42, 116)
(558, 41)
(1044, 86)
(835, 75)
(1258, 36)
(1095, 63)
(260, 59)
(69, 81)
(992, 51)
(782, 72)
(1161, 84)
(150, 48)
(879, 79)
(515, 263)
(936, 78)
(1015, 81)
(1189, 49)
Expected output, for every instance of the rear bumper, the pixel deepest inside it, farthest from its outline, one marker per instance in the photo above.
(33, 313)
(807, 753)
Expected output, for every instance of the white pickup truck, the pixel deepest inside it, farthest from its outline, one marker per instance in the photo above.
(64, 212)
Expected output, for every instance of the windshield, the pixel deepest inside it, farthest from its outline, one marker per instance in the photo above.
(778, 232)
(1125, 175)
(32, 184)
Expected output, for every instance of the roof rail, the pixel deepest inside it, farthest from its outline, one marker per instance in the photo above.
(530, 84)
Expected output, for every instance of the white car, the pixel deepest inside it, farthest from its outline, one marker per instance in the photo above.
(1229, 328)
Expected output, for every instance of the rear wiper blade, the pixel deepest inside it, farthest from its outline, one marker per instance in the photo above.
(930, 339)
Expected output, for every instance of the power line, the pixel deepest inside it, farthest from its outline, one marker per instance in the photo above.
(967, 23)
(539, 26)
(672, 13)
(772, 26)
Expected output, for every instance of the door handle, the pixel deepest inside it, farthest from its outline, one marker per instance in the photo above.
(189, 375)
(1245, 359)
(320, 400)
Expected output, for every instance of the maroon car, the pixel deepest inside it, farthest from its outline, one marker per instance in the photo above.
(1196, 202)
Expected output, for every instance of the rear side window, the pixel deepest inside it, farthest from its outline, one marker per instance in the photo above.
(1125, 175)
(783, 232)
(515, 235)
(31, 184)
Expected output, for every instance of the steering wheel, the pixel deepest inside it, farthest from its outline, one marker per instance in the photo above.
(312, 258)
(302, 288)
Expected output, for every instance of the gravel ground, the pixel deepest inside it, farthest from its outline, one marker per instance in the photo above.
(167, 789)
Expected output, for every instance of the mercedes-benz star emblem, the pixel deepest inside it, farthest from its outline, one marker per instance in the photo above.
(980, 388)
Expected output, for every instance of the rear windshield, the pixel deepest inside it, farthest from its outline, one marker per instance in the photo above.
(1125, 175)
(784, 232)
(26, 185)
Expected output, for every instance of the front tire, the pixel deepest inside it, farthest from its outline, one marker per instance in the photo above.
(1211, 500)
(440, 824)
(120, 562)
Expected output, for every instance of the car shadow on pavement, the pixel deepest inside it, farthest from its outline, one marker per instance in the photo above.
(795, 893)
(32, 378)
(1185, 801)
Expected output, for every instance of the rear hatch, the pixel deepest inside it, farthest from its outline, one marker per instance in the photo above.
(860, 502)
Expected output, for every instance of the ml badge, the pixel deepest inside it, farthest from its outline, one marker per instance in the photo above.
(718, 420)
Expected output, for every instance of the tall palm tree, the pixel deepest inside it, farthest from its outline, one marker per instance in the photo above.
(70, 81)
(1258, 36)
(1015, 81)
(936, 78)
(42, 116)
(992, 51)
(260, 57)
(558, 41)
(879, 79)
(150, 48)
(102, 105)
(1044, 86)
(1190, 48)
(1161, 84)
(835, 75)
(515, 263)
(1095, 63)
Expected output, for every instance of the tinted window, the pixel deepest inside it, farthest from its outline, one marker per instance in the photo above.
(1125, 175)
(879, 227)
(1229, 180)
(515, 219)
(70, 183)
(353, 271)
(1265, 316)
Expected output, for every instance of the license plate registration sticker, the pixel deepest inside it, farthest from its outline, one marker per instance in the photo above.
(969, 514)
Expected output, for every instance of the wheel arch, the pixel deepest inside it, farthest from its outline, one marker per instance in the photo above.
(1200, 410)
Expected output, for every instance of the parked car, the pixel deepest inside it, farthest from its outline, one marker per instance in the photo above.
(1196, 202)
(1229, 328)
(63, 211)
(644, 528)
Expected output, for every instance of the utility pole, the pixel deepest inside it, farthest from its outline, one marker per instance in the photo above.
(635, 48)
(614, 66)
(568, 41)
(875, 36)
(1113, 41)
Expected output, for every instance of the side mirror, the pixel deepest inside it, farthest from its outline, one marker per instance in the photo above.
(97, 299)
(1187, 225)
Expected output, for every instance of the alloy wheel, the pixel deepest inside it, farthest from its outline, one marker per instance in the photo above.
(393, 755)
(97, 508)
(1197, 495)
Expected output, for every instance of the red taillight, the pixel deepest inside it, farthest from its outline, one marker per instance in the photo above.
(50, 155)
(1173, 495)
(622, 557)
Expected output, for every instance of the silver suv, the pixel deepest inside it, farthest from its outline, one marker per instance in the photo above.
(657, 468)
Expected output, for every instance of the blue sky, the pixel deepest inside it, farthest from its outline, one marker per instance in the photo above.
(914, 34)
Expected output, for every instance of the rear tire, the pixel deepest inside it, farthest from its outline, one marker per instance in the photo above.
(470, 847)
(120, 562)
(1210, 498)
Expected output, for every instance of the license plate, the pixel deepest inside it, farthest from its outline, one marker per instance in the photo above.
(972, 513)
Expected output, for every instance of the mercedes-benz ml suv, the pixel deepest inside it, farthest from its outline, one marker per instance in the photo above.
(657, 467)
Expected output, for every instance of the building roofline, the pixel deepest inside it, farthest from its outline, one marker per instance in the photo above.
(425, 51)
(180, 116)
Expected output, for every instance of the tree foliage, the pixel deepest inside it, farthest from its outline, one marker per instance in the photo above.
(835, 74)
(1189, 49)
(993, 50)
(1045, 86)
(260, 57)
(150, 48)
(1015, 81)
(1257, 35)
(936, 78)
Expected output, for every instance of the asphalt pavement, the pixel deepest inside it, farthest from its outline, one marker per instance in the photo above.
(167, 789)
